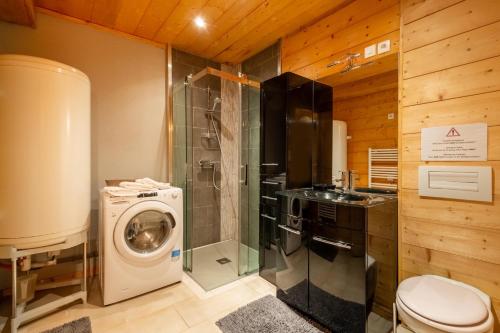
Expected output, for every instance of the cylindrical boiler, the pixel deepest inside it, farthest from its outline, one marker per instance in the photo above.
(339, 148)
(44, 151)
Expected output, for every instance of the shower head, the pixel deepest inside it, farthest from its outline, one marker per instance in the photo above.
(217, 100)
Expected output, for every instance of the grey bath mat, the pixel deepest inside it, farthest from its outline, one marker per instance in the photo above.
(265, 315)
(81, 325)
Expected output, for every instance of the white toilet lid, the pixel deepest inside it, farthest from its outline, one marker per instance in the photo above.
(440, 300)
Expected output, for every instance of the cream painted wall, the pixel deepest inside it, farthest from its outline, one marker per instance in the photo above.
(128, 93)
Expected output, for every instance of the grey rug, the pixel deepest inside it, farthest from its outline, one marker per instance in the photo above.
(81, 325)
(267, 314)
(334, 313)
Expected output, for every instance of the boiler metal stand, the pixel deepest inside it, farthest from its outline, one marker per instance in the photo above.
(19, 316)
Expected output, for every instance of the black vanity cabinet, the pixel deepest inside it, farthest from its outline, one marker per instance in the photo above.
(324, 266)
(296, 115)
(292, 264)
(337, 267)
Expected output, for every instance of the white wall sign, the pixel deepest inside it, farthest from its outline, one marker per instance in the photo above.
(455, 143)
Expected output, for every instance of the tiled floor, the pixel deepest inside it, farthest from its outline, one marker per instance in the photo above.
(183, 307)
(210, 274)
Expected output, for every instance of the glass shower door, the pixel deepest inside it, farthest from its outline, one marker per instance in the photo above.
(188, 167)
(249, 180)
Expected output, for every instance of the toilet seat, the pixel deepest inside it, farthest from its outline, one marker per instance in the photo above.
(435, 304)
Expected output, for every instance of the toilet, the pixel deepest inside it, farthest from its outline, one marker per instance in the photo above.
(434, 304)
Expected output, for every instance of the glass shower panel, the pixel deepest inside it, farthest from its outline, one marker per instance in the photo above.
(182, 175)
(218, 153)
(243, 253)
(249, 176)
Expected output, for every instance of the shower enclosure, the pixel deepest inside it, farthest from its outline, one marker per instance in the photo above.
(216, 156)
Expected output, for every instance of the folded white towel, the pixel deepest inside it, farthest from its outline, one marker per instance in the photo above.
(117, 191)
(149, 181)
(138, 186)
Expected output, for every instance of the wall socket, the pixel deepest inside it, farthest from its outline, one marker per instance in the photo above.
(370, 51)
(390, 116)
(384, 46)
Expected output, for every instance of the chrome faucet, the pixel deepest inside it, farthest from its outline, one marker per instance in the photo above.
(348, 180)
(344, 181)
(353, 176)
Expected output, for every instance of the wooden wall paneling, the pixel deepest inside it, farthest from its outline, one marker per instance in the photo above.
(230, 19)
(236, 29)
(183, 14)
(383, 133)
(262, 14)
(470, 109)
(496, 309)
(372, 121)
(104, 12)
(319, 70)
(377, 65)
(379, 100)
(130, 14)
(211, 12)
(451, 262)
(470, 79)
(474, 45)
(264, 35)
(377, 25)
(456, 212)
(355, 12)
(474, 243)
(18, 11)
(459, 18)
(382, 249)
(81, 9)
(414, 9)
(364, 106)
(362, 146)
(367, 86)
(403, 11)
(156, 13)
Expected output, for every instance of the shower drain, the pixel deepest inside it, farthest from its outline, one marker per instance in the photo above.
(223, 261)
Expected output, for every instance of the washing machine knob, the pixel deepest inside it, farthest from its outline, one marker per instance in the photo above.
(175, 195)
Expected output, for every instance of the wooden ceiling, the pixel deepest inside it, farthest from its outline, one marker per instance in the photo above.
(236, 29)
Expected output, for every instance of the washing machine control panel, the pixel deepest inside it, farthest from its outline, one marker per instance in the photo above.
(147, 195)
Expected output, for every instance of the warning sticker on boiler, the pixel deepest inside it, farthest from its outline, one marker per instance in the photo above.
(455, 143)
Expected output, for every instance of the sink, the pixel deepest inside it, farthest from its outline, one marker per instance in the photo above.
(321, 195)
(375, 190)
(351, 197)
(327, 195)
(339, 197)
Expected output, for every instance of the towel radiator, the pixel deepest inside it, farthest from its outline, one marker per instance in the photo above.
(383, 168)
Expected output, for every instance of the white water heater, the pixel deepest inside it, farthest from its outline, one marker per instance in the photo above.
(44, 151)
(339, 149)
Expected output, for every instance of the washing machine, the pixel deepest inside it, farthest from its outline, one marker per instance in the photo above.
(140, 243)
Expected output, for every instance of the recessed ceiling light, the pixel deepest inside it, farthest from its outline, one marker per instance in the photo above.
(200, 22)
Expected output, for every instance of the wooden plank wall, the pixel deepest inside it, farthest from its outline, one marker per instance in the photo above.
(450, 75)
(364, 106)
(350, 29)
(18, 11)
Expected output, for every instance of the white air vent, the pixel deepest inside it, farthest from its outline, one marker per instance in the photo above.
(456, 182)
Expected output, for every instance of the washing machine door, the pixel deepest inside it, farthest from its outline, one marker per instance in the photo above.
(146, 232)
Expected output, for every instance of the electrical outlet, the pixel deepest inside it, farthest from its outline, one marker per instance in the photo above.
(390, 116)
(384, 46)
(370, 51)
